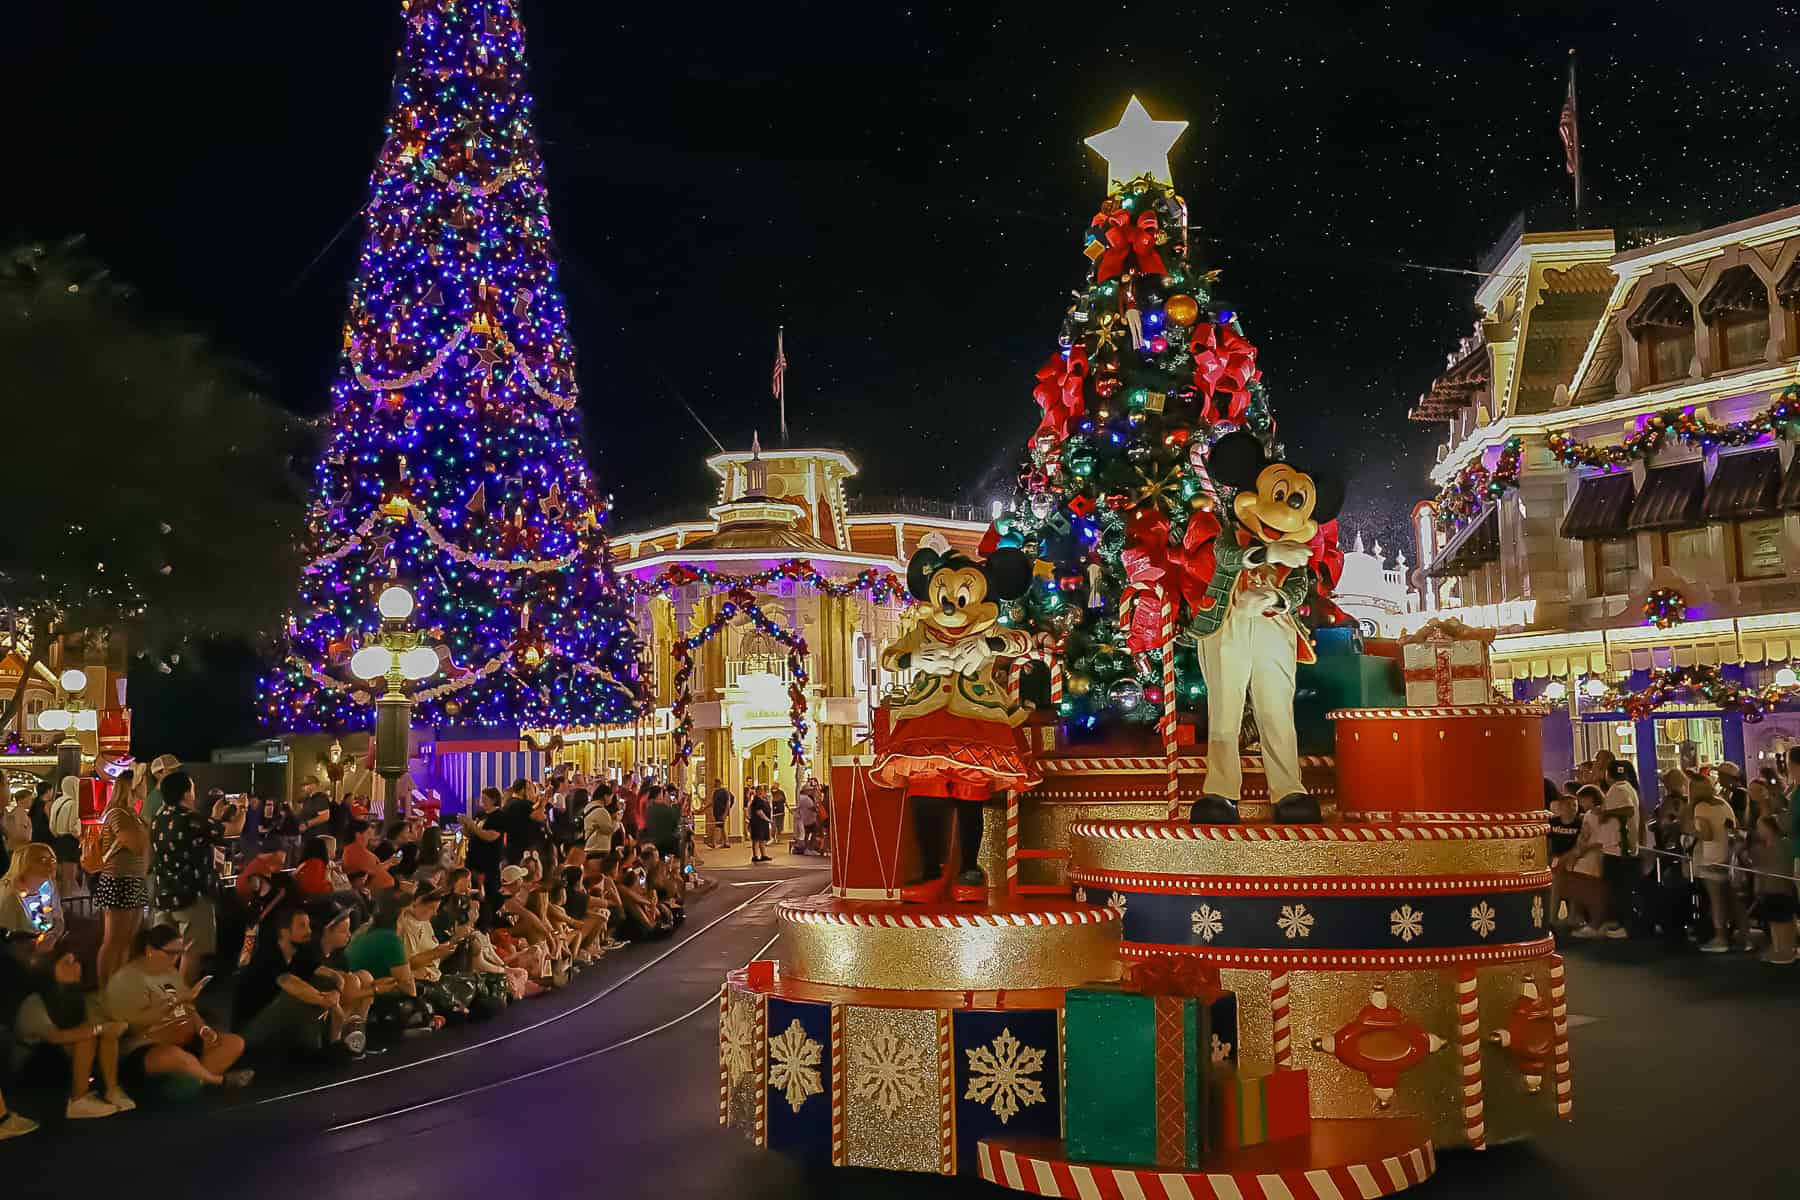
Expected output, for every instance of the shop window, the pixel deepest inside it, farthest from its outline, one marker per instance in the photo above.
(1612, 565)
(1737, 309)
(1759, 554)
(1685, 552)
(1668, 351)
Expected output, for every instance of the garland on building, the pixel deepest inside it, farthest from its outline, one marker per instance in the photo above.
(1706, 683)
(1475, 487)
(739, 600)
(879, 585)
(1665, 608)
(1781, 419)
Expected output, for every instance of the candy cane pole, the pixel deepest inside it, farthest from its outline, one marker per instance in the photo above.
(1468, 1039)
(1172, 785)
(1559, 1024)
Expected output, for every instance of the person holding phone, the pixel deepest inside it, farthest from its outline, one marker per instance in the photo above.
(185, 845)
(167, 1034)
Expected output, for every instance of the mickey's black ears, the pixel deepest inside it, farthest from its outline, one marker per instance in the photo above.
(919, 570)
(1329, 490)
(1008, 574)
(1236, 459)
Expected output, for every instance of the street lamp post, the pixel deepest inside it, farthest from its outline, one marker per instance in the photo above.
(73, 718)
(399, 656)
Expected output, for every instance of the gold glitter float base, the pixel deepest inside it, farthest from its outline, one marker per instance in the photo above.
(1042, 943)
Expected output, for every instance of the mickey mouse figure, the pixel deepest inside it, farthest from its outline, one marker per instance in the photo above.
(1280, 538)
(954, 741)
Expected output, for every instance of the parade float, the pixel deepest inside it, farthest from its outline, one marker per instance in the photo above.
(1155, 876)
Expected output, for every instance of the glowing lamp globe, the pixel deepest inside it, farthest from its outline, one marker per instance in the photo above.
(371, 662)
(87, 720)
(1595, 687)
(54, 720)
(395, 603)
(1555, 690)
(421, 662)
(73, 680)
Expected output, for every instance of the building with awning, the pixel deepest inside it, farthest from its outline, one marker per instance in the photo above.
(1612, 356)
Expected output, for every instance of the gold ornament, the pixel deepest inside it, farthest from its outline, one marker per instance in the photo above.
(1079, 685)
(1183, 310)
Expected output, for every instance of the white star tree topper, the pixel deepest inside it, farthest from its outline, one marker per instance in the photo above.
(1137, 145)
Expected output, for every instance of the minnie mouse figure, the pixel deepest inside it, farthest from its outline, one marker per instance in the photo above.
(955, 741)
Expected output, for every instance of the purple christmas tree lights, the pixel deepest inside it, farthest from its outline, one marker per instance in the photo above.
(455, 461)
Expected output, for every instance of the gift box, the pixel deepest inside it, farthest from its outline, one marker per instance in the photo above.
(1138, 1057)
(1446, 662)
(1135, 1072)
(1340, 681)
(1331, 641)
(1247, 1111)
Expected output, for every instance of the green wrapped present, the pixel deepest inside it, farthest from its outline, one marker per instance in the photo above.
(1136, 1076)
(1341, 681)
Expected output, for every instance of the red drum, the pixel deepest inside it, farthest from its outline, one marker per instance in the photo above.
(1445, 762)
(872, 846)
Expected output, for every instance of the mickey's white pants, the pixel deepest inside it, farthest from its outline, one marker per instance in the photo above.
(1250, 657)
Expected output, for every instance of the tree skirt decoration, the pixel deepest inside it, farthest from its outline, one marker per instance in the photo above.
(1665, 608)
(1780, 419)
(1475, 486)
(1705, 683)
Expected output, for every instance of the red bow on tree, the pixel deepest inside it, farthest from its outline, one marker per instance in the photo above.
(1127, 240)
(1151, 567)
(1224, 361)
(1058, 391)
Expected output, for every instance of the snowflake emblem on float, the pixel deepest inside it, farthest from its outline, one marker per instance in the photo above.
(1537, 912)
(1116, 902)
(1295, 921)
(888, 1072)
(1407, 922)
(738, 1032)
(1208, 922)
(1000, 1076)
(1481, 919)
(794, 1065)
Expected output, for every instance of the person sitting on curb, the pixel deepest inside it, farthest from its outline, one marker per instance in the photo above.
(167, 1035)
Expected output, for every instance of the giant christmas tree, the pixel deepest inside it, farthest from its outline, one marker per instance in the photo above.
(455, 461)
(1152, 367)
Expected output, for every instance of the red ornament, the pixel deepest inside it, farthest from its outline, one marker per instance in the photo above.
(1381, 1042)
(1529, 1036)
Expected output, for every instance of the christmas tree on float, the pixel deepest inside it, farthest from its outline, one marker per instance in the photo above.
(455, 460)
(1151, 369)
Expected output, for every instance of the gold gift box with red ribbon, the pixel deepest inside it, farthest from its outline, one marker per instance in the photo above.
(1446, 662)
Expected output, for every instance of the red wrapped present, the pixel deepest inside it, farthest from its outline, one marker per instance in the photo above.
(1250, 1111)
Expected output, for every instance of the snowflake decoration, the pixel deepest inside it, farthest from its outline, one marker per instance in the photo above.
(738, 1035)
(794, 1065)
(1408, 922)
(1081, 895)
(1295, 921)
(1208, 922)
(1537, 912)
(1481, 919)
(1000, 1076)
(1221, 1050)
(1116, 901)
(888, 1071)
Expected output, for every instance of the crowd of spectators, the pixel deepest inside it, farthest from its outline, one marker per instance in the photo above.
(1713, 863)
(239, 935)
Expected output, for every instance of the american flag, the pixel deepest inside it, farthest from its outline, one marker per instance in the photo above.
(778, 381)
(1567, 130)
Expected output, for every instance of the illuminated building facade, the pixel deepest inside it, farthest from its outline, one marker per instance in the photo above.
(1615, 450)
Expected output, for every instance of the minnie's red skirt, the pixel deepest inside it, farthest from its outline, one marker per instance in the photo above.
(941, 754)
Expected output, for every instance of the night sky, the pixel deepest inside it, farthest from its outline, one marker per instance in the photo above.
(905, 190)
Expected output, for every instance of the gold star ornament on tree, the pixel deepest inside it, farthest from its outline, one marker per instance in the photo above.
(1137, 145)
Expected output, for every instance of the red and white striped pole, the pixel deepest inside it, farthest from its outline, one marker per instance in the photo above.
(724, 1064)
(1171, 762)
(1280, 1020)
(1012, 841)
(838, 1070)
(1468, 1041)
(1559, 1025)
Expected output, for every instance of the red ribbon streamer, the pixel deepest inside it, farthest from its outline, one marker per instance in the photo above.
(1058, 391)
(1224, 363)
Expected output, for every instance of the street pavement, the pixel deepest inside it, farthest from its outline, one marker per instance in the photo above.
(1685, 1070)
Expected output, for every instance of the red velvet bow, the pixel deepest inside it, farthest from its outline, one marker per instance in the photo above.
(1327, 558)
(1058, 391)
(1128, 240)
(1151, 566)
(1176, 975)
(1224, 361)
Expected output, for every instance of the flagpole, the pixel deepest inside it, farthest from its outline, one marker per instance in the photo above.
(781, 380)
(1575, 112)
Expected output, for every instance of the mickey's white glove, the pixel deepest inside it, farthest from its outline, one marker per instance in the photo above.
(1289, 554)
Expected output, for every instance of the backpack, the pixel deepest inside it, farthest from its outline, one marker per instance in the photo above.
(93, 859)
